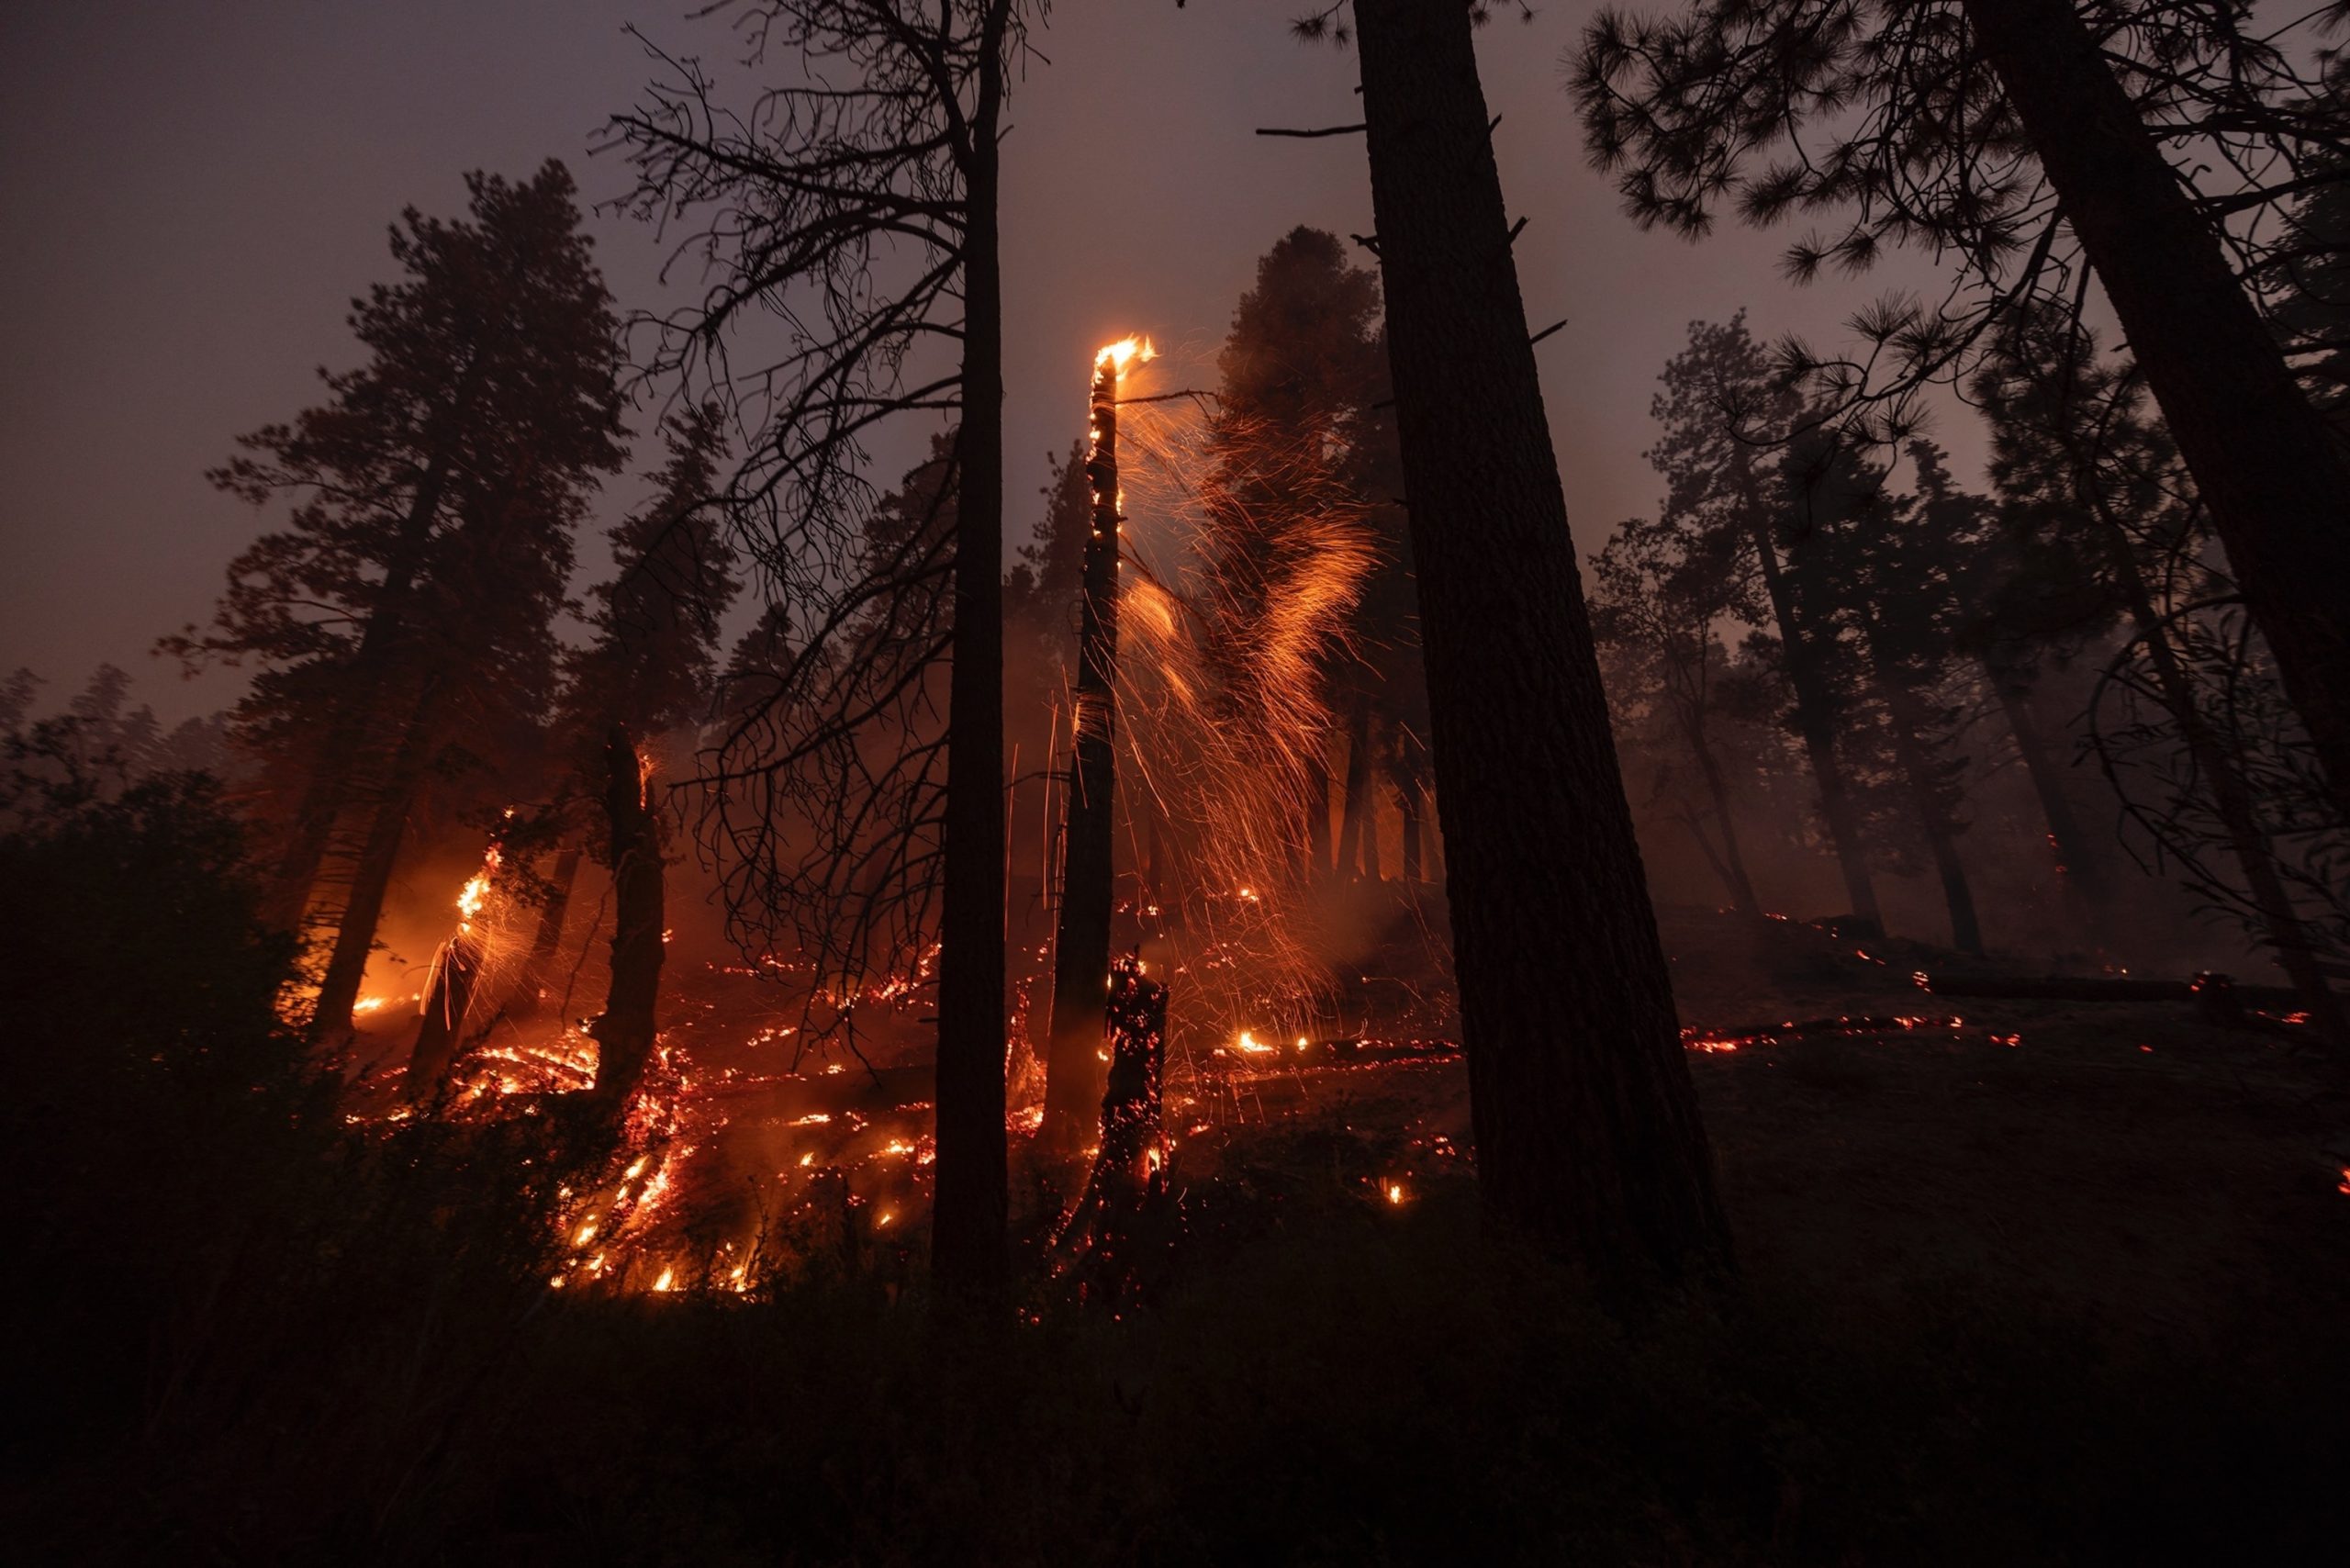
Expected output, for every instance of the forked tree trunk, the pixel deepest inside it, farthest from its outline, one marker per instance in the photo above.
(1586, 1123)
(1081, 944)
(2276, 479)
(626, 1030)
(371, 876)
(973, 1192)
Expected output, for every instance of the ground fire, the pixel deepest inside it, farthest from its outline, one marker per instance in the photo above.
(1638, 849)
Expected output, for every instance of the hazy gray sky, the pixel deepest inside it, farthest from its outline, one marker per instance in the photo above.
(192, 194)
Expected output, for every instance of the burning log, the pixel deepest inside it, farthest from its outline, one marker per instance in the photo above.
(1123, 1210)
(1081, 950)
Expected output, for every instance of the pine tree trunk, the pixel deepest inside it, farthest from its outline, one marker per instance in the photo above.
(2081, 866)
(1350, 810)
(361, 687)
(1585, 1119)
(2276, 480)
(371, 879)
(1081, 948)
(973, 1192)
(1816, 722)
(630, 1023)
(1933, 815)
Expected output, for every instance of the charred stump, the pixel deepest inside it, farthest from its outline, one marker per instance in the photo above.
(1121, 1220)
(624, 1033)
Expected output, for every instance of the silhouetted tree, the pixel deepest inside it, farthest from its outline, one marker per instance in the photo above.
(1723, 411)
(2031, 143)
(1656, 598)
(2077, 453)
(1586, 1124)
(433, 493)
(856, 201)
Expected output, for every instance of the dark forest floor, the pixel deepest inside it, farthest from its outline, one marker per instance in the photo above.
(2061, 1283)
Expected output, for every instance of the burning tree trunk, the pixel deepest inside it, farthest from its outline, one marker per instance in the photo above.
(1081, 950)
(372, 876)
(1586, 1122)
(624, 1034)
(1121, 1204)
(449, 994)
(2276, 477)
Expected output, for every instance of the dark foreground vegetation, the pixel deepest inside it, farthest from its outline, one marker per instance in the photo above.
(2071, 1299)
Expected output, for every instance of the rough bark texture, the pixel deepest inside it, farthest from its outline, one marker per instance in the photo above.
(1081, 946)
(625, 1031)
(371, 878)
(2276, 480)
(973, 1192)
(1585, 1121)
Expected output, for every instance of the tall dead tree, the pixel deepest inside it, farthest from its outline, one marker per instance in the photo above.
(1081, 943)
(857, 203)
(1585, 1119)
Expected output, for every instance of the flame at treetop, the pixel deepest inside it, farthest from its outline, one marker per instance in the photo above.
(1114, 356)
